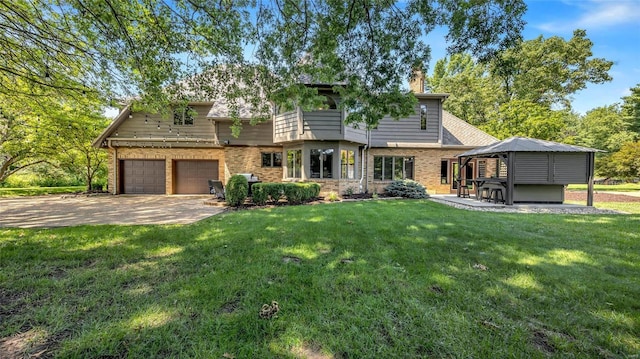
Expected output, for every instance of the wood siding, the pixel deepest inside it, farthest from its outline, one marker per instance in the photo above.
(135, 127)
(359, 135)
(324, 125)
(285, 127)
(251, 135)
(407, 130)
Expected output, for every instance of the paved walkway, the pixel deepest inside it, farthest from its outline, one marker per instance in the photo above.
(474, 204)
(70, 210)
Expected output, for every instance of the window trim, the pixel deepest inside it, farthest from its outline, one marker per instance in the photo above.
(423, 117)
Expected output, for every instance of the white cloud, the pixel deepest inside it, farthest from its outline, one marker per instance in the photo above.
(597, 14)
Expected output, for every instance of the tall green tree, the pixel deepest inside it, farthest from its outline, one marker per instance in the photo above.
(549, 71)
(474, 95)
(257, 49)
(604, 128)
(527, 119)
(631, 110)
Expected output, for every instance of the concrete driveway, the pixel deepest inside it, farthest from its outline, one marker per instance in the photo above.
(69, 210)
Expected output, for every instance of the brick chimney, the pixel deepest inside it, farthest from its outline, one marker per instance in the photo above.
(416, 82)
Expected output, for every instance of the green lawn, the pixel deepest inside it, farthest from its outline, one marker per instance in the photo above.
(387, 279)
(39, 191)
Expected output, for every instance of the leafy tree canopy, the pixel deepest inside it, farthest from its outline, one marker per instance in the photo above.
(549, 71)
(121, 49)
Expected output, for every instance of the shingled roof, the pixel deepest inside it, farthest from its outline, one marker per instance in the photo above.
(457, 132)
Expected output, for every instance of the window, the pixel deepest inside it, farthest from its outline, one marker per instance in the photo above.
(482, 168)
(347, 164)
(423, 117)
(502, 169)
(321, 161)
(271, 159)
(183, 116)
(444, 172)
(294, 163)
(392, 168)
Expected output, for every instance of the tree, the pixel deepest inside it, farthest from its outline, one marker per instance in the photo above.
(626, 162)
(549, 71)
(528, 119)
(474, 95)
(71, 134)
(631, 110)
(138, 48)
(19, 140)
(604, 128)
(44, 129)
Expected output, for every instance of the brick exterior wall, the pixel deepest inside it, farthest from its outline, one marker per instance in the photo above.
(240, 159)
(426, 167)
(249, 160)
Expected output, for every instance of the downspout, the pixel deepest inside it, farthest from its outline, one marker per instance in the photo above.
(115, 168)
(364, 169)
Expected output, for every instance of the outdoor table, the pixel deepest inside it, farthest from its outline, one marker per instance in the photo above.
(479, 183)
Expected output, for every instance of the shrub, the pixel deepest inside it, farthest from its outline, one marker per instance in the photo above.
(237, 190)
(332, 196)
(297, 193)
(259, 194)
(274, 191)
(406, 189)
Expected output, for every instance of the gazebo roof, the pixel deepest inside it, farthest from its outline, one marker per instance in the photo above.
(524, 144)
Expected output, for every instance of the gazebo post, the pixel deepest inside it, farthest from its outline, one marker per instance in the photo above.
(510, 177)
(458, 179)
(590, 170)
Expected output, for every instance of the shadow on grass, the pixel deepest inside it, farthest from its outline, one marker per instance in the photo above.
(391, 279)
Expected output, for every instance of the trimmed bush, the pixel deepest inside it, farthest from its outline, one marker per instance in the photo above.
(406, 189)
(259, 195)
(237, 190)
(295, 193)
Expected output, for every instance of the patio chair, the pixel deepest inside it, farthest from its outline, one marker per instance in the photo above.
(216, 188)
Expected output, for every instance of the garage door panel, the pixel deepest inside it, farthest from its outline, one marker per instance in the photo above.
(191, 176)
(143, 177)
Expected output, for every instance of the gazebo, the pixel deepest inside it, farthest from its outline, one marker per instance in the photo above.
(536, 170)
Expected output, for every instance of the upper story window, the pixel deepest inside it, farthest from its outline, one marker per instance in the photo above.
(183, 116)
(271, 159)
(423, 117)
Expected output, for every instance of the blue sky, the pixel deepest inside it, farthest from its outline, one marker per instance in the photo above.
(612, 25)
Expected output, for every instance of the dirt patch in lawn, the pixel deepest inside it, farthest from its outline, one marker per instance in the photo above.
(29, 344)
(599, 197)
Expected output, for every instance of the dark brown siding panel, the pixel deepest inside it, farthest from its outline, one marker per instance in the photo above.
(190, 177)
(570, 168)
(143, 177)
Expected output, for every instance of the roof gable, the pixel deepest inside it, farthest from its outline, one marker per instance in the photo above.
(457, 132)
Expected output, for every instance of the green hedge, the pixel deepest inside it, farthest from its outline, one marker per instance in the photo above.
(237, 190)
(295, 193)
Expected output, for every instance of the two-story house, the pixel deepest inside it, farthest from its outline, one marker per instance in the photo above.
(151, 154)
